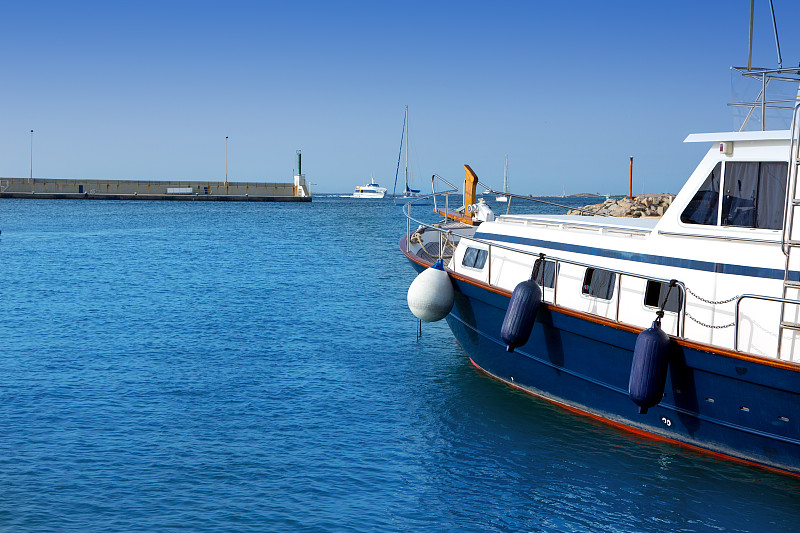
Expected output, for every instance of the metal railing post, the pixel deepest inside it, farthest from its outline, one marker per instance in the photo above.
(489, 281)
(764, 102)
(555, 282)
(408, 234)
(736, 327)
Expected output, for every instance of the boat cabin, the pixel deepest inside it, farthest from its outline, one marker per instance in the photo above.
(721, 240)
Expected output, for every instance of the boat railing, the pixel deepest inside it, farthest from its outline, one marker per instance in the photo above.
(791, 202)
(451, 235)
(736, 313)
(530, 198)
(454, 236)
(786, 79)
(435, 179)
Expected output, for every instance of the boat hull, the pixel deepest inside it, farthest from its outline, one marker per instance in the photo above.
(741, 408)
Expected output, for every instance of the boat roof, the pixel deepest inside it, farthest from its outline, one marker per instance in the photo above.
(770, 135)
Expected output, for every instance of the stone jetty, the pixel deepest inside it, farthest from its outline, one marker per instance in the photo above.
(645, 205)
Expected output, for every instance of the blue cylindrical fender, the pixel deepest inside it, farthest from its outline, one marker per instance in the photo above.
(649, 367)
(521, 314)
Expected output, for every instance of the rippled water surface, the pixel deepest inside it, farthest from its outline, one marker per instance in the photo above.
(253, 367)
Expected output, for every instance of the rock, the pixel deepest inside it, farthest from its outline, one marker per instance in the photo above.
(620, 210)
(645, 205)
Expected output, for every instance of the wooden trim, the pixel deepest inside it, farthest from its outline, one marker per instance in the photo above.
(775, 363)
(455, 216)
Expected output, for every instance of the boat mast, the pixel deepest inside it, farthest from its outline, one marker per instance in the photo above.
(408, 188)
(505, 175)
(400, 155)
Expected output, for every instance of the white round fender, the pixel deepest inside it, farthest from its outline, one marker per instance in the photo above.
(430, 296)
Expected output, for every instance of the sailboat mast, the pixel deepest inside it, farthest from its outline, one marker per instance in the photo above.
(505, 175)
(407, 186)
(400, 155)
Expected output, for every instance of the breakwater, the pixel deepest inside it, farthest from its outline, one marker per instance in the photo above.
(645, 205)
(90, 189)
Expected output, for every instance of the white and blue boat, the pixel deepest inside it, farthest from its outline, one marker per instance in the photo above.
(370, 190)
(684, 328)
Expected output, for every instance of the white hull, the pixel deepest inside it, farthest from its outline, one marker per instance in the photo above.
(369, 194)
(371, 190)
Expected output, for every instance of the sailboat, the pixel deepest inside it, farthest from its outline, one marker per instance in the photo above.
(503, 197)
(408, 191)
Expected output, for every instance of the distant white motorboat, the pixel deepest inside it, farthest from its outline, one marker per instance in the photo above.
(503, 197)
(371, 190)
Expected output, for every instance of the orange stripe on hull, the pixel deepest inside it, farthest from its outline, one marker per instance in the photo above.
(639, 432)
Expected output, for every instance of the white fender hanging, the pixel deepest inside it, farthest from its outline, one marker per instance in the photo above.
(430, 296)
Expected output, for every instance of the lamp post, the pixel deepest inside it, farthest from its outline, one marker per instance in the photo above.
(226, 160)
(30, 180)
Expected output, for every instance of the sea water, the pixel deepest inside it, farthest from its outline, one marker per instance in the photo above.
(215, 366)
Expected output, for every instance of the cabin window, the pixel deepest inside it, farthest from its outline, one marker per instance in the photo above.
(547, 274)
(656, 291)
(474, 258)
(753, 194)
(703, 207)
(598, 283)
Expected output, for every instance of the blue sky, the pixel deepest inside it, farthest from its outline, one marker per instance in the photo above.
(570, 90)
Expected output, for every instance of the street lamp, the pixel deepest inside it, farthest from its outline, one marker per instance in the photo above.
(30, 180)
(226, 160)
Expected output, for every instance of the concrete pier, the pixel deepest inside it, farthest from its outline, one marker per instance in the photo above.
(46, 188)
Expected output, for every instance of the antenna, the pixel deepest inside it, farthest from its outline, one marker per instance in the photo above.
(750, 52)
(775, 28)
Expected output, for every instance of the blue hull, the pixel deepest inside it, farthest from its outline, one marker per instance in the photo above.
(743, 408)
